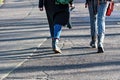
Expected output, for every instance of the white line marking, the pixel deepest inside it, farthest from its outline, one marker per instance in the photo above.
(3, 77)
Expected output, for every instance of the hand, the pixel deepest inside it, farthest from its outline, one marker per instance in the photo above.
(111, 0)
(72, 6)
(86, 5)
(41, 9)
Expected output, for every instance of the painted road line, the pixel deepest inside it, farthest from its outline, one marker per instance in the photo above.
(7, 74)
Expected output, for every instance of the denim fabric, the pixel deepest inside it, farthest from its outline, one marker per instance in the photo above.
(101, 23)
(93, 20)
(97, 22)
(57, 30)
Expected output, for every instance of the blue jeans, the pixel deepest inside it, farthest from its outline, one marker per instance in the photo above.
(57, 30)
(97, 22)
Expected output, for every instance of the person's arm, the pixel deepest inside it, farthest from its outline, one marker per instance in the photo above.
(71, 3)
(86, 3)
(41, 5)
(72, 6)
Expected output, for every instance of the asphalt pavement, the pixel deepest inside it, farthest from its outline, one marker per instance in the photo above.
(25, 45)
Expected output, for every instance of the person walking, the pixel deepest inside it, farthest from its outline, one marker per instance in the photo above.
(58, 16)
(97, 11)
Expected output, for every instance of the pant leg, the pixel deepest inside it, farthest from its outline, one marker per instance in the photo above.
(101, 23)
(50, 21)
(57, 31)
(93, 21)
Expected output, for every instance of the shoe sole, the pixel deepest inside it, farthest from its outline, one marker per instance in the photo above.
(57, 51)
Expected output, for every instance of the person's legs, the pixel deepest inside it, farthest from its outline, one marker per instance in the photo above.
(101, 25)
(93, 25)
(55, 31)
(55, 40)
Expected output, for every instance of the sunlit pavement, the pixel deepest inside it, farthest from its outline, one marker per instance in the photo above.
(25, 46)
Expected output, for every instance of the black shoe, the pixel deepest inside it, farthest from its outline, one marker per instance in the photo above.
(100, 50)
